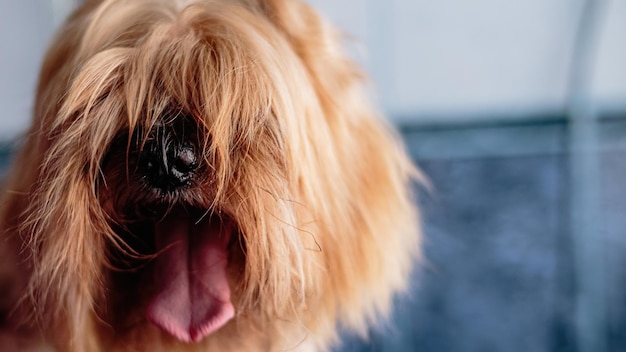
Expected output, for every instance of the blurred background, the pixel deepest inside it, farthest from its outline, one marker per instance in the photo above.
(516, 110)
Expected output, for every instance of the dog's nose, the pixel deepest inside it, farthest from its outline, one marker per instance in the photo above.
(169, 166)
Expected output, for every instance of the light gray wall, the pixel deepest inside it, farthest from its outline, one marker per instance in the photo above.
(446, 59)
(24, 29)
(609, 86)
(457, 59)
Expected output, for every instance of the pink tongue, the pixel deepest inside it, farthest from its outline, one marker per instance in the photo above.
(192, 297)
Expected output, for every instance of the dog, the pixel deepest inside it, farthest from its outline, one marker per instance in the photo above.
(202, 175)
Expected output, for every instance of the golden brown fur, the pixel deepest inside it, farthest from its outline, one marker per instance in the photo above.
(292, 151)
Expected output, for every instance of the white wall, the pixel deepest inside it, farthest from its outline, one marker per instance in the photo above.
(457, 59)
(444, 59)
(24, 29)
(609, 86)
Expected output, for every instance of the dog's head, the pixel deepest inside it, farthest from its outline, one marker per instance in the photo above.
(206, 166)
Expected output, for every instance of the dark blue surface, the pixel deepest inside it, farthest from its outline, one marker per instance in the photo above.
(498, 275)
(499, 260)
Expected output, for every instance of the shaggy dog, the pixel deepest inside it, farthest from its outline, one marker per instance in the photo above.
(202, 175)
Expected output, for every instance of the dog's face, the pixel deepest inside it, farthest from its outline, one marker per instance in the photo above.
(206, 172)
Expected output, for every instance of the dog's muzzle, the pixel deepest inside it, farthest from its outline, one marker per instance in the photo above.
(157, 189)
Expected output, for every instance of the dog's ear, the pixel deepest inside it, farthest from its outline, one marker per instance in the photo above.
(51, 215)
(373, 232)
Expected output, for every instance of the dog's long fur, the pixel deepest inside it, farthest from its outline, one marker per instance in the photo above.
(291, 152)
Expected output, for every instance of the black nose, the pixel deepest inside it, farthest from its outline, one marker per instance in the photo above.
(169, 165)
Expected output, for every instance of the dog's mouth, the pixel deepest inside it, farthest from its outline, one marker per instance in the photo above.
(189, 293)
